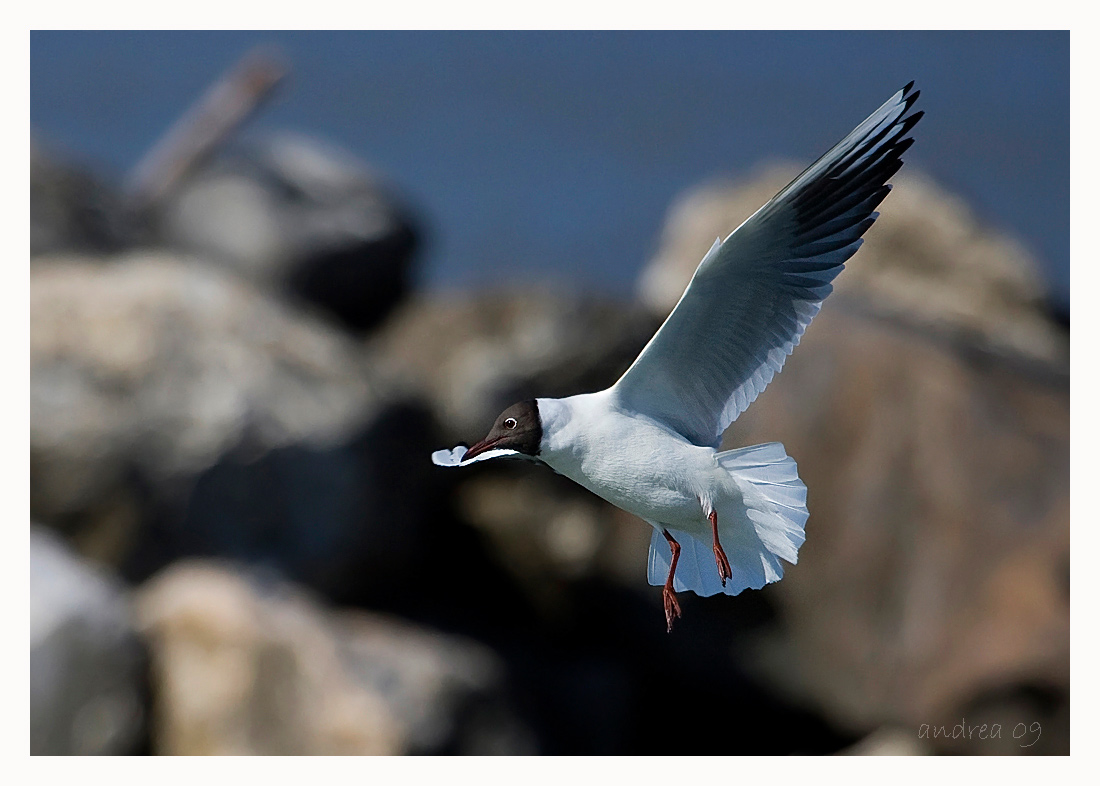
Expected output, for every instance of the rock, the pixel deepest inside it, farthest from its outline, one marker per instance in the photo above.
(158, 352)
(247, 667)
(176, 411)
(927, 260)
(303, 218)
(928, 410)
(72, 210)
(87, 666)
(936, 563)
(546, 530)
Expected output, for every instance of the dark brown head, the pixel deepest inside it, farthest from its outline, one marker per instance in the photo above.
(518, 428)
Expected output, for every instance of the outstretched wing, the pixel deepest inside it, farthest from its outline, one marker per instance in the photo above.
(754, 294)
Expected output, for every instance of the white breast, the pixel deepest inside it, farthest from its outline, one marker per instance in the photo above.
(632, 462)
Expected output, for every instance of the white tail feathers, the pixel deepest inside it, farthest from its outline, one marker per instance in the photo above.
(768, 525)
(780, 521)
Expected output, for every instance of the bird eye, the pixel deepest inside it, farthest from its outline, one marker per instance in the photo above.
(510, 423)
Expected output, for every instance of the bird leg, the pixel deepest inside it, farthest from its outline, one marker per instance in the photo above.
(724, 571)
(672, 606)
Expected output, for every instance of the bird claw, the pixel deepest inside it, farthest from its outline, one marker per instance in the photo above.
(723, 564)
(720, 560)
(672, 607)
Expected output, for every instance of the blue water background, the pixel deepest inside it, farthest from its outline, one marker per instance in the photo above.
(553, 156)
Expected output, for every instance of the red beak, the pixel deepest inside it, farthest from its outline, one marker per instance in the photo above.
(481, 447)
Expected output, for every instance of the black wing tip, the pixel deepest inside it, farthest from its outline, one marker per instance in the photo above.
(907, 124)
(905, 90)
(909, 98)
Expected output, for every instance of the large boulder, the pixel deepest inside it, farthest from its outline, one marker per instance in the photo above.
(927, 407)
(87, 665)
(934, 579)
(175, 410)
(242, 665)
(301, 218)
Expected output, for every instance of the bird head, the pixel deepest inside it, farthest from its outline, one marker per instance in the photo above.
(517, 428)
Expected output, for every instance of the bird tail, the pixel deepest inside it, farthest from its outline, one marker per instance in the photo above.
(755, 533)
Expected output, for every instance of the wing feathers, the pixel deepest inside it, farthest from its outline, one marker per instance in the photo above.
(818, 249)
(846, 219)
(755, 292)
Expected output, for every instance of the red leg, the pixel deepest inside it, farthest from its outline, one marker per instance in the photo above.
(724, 571)
(672, 606)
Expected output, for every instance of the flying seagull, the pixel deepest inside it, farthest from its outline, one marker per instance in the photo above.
(649, 443)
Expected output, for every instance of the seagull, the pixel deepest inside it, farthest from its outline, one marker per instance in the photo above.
(649, 443)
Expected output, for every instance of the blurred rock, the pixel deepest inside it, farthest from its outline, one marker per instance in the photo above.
(545, 530)
(936, 562)
(71, 210)
(927, 260)
(475, 355)
(246, 667)
(176, 411)
(87, 667)
(297, 216)
(158, 353)
(928, 410)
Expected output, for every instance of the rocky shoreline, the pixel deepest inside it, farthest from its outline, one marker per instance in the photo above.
(239, 544)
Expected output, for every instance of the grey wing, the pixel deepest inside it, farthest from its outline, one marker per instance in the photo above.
(753, 295)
